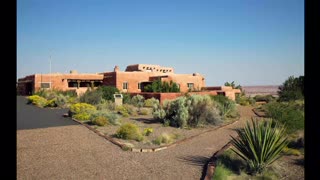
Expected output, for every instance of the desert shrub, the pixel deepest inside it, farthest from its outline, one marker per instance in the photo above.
(150, 102)
(125, 110)
(289, 114)
(147, 131)
(111, 117)
(192, 111)
(72, 100)
(165, 138)
(108, 92)
(226, 106)
(177, 112)
(144, 112)
(266, 98)
(61, 100)
(129, 131)
(81, 108)
(158, 112)
(137, 101)
(126, 98)
(51, 103)
(100, 121)
(50, 94)
(221, 172)
(291, 151)
(259, 145)
(41, 93)
(69, 93)
(292, 89)
(82, 116)
(244, 100)
(202, 111)
(106, 105)
(91, 97)
(37, 100)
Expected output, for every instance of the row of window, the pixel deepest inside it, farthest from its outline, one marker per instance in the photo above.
(125, 85)
(161, 70)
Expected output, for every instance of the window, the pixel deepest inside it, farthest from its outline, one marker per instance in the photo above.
(139, 85)
(72, 84)
(190, 85)
(125, 85)
(45, 85)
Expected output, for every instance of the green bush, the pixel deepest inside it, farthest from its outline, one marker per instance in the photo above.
(292, 89)
(245, 101)
(150, 102)
(125, 110)
(110, 116)
(147, 131)
(61, 100)
(37, 100)
(81, 108)
(226, 106)
(266, 98)
(259, 145)
(137, 101)
(159, 86)
(191, 111)
(202, 110)
(289, 114)
(291, 151)
(82, 116)
(126, 98)
(100, 121)
(129, 131)
(51, 103)
(144, 112)
(108, 92)
(93, 97)
(41, 93)
(164, 138)
(106, 105)
(221, 172)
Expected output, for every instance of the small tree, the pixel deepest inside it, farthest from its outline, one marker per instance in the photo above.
(108, 92)
(292, 89)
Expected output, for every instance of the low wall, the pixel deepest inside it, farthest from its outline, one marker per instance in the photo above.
(170, 96)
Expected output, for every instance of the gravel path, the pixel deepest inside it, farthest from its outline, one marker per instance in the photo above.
(74, 152)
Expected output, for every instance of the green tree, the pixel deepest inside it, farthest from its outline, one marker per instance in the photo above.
(233, 85)
(108, 92)
(292, 89)
(158, 86)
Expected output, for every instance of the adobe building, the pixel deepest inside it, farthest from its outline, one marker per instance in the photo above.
(132, 80)
(72, 81)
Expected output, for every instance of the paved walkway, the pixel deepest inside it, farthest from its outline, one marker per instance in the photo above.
(72, 151)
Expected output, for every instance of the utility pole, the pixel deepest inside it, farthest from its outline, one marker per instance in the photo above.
(50, 72)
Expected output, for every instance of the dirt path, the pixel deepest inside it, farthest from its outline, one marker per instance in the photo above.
(74, 152)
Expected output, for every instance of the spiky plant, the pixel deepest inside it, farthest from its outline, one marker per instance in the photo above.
(259, 145)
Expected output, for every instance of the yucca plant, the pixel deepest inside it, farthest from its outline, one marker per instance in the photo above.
(259, 145)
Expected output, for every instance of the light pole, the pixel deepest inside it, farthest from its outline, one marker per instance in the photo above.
(50, 72)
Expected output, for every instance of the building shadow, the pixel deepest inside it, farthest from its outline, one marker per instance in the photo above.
(200, 161)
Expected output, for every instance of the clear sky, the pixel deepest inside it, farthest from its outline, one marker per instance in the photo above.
(251, 42)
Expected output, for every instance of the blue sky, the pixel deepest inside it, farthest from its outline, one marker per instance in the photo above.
(251, 42)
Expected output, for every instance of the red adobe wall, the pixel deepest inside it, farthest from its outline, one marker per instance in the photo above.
(170, 96)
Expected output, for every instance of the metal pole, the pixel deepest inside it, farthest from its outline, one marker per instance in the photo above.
(50, 72)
